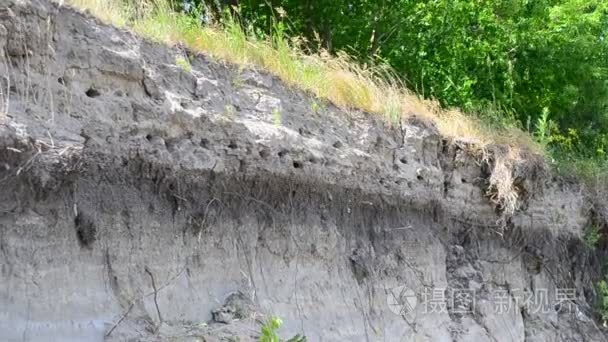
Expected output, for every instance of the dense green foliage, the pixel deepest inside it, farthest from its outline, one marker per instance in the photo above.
(602, 303)
(592, 236)
(519, 58)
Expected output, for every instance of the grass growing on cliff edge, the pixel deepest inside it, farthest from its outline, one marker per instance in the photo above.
(335, 78)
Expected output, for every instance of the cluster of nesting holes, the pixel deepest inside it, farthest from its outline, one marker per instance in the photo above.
(296, 164)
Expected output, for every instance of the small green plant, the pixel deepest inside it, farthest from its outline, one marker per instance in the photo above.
(602, 304)
(276, 117)
(183, 63)
(238, 82)
(315, 106)
(269, 332)
(592, 236)
(229, 110)
(297, 338)
(393, 113)
(542, 132)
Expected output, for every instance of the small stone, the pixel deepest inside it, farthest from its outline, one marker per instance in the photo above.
(268, 104)
(220, 316)
(581, 316)
(256, 79)
(204, 87)
(151, 87)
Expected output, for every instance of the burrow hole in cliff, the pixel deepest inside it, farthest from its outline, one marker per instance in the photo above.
(264, 153)
(86, 232)
(92, 92)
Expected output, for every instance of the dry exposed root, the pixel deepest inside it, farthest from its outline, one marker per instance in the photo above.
(511, 178)
(24, 155)
(501, 189)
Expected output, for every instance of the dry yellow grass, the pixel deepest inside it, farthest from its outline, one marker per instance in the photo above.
(110, 12)
(334, 78)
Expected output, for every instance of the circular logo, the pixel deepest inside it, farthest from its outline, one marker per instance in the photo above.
(401, 300)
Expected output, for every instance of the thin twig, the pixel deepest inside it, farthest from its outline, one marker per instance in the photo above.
(160, 318)
(121, 319)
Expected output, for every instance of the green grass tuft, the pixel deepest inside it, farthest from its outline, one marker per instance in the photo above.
(183, 63)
